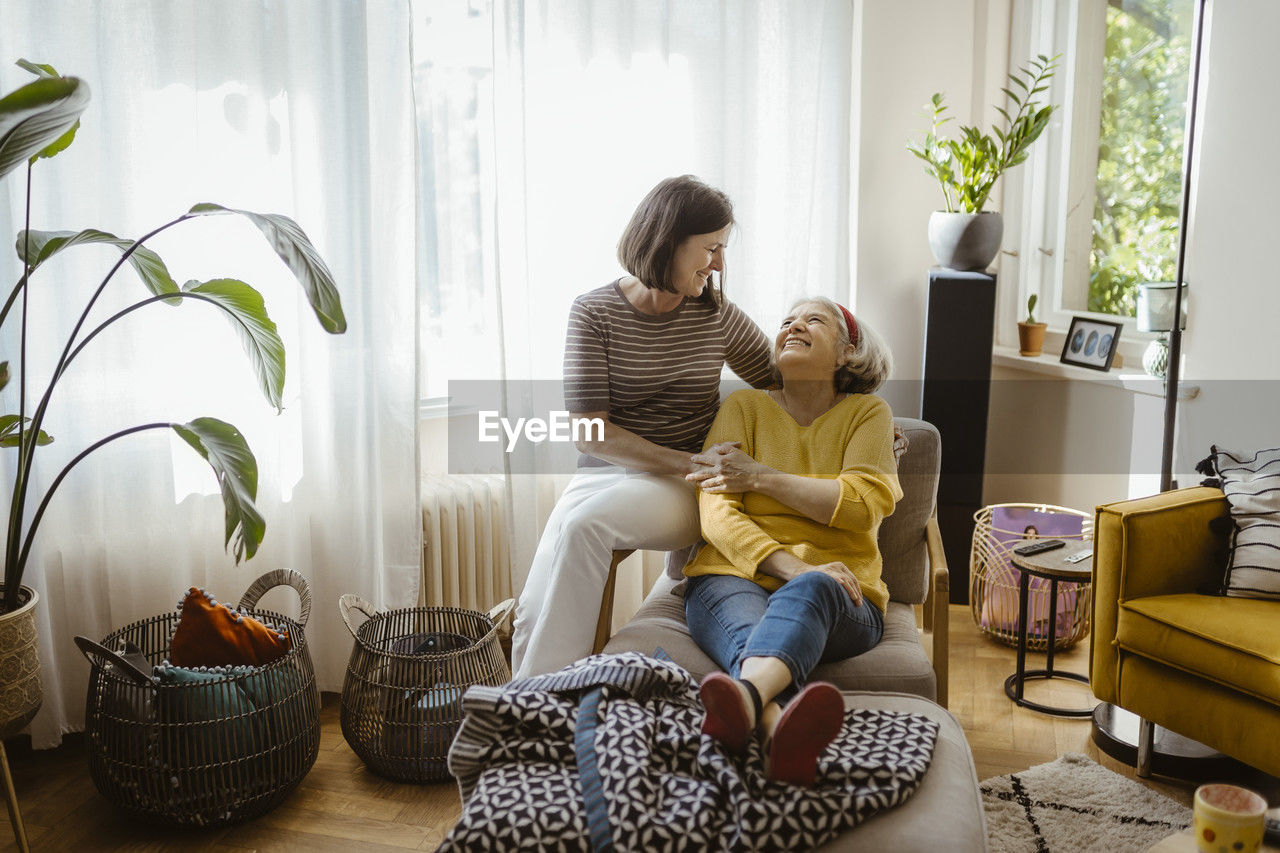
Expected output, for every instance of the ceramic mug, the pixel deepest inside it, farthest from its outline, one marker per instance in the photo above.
(1228, 819)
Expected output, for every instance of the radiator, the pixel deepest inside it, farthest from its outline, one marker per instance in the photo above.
(466, 556)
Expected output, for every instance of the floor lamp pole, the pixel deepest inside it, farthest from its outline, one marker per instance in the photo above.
(1175, 336)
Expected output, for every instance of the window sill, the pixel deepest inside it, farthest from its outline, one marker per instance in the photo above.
(1135, 381)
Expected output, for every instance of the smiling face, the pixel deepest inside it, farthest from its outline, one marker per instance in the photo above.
(695, 259)
(808, 344)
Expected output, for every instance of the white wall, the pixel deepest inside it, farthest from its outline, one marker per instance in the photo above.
(905, 50)
(1234, 319)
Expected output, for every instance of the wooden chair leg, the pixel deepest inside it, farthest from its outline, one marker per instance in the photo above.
(941, 633)
(11, 800)
(604, 623)
(937, 616)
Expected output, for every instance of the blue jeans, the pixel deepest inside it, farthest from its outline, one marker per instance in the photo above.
(809, 620)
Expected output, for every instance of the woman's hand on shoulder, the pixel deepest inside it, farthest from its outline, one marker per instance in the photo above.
(725, 467)
(900, 443)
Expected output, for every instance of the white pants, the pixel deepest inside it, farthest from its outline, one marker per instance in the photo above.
(603, 510)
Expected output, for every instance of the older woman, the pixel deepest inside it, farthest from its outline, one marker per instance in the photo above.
(790, 575)
(644, 354)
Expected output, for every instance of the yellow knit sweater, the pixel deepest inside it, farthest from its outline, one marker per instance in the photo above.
(851, 442)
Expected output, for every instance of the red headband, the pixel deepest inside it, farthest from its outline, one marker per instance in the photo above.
(850, 323)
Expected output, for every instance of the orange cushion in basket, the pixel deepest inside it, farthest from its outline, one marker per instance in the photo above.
(211, 634)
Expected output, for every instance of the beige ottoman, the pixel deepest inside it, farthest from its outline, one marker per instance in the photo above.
(946, 812)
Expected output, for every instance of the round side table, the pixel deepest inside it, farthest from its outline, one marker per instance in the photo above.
(1053, 567)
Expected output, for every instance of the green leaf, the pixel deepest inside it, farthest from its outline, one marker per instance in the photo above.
(9, 436)
(293, 247)
(233, 464)
(45, 244)
(35, 119)
(4, 374)
(64, 141)
(258, 335)
(39, 69)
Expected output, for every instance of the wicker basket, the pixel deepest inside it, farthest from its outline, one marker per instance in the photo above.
(402, 697)
(201, 754)
(993, 583)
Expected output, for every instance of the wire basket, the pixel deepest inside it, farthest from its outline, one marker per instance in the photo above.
(993, 579)
(402, 697)
(201, 753)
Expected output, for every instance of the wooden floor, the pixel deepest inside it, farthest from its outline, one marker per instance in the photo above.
(341, 806)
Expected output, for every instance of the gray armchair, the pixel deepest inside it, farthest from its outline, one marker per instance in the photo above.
(914, 570)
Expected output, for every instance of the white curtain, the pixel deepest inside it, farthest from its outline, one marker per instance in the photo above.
(550, 119)
(304, 109)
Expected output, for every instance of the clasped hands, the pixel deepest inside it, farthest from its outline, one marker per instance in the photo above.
(724, 467)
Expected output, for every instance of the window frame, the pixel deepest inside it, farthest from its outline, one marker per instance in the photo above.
(1048, 201)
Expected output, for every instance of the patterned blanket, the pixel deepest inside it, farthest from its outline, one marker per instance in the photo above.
(607, 754)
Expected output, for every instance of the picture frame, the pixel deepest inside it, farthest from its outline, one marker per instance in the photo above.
(1091, 343)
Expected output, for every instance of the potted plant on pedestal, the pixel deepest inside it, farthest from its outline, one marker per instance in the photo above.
(1031, 333)
(964, 236)
(38, 121)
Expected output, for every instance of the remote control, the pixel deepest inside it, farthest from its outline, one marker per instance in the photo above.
(1038, 547)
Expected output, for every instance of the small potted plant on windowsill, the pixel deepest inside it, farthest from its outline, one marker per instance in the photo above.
(964, 236)
(1031, 333)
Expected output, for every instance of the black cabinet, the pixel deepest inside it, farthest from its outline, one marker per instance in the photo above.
(959, 324)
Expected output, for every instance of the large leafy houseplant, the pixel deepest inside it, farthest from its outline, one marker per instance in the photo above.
(38, 121)
(967, 168)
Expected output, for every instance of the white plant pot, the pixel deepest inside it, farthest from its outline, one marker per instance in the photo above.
(965, 241)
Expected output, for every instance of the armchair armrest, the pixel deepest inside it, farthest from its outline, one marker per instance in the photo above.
(937, 615)
(1158, 545)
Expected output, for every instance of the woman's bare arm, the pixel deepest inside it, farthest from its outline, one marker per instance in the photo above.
(622, 447)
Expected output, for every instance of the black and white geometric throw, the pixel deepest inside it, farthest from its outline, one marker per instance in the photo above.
(1074, 804)
(608, 754)
(1251, 483)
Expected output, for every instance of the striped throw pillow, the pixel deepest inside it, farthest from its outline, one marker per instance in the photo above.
(1252, 487)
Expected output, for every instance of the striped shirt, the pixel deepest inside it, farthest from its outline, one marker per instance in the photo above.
(658, 375)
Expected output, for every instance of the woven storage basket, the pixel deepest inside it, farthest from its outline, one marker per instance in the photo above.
(402, 697)
(993, 583)
(203, 753)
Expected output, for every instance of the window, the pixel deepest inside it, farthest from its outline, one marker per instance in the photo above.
(1095, 208)
(453, 44)
(1139, 182)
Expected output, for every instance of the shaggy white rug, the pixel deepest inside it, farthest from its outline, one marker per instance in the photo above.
(1073, 805)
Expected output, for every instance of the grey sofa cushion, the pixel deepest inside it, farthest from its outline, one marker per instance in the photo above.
(902, 543)
(897, 663)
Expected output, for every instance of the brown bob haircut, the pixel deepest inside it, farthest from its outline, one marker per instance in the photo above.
(673, 210)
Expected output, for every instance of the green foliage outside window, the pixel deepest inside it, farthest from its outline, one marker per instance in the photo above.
(1139, 187)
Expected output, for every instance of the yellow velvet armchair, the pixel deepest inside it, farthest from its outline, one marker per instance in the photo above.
(1204, 666)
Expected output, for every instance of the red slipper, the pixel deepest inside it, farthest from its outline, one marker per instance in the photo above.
(807, 725)
(728, 718)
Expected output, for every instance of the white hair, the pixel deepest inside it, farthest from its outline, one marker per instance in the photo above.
(871, 362)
